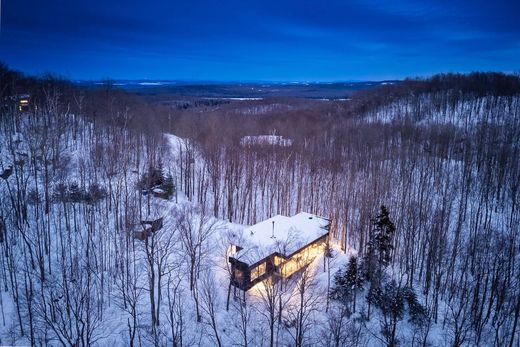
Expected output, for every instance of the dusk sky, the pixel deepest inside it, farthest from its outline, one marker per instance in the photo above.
(295, 40)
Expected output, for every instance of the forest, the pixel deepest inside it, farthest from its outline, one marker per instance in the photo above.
(420, 178)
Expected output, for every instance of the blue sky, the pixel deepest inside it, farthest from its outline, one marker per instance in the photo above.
(296, 40)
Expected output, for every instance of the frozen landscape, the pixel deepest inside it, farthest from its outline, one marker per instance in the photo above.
(279, 173)
(388, 219)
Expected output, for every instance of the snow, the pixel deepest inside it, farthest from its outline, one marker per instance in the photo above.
(150, 83)
(236, 99)
(463, 114)
(334, 99)
(274, 140)
(280, 234)
(289, 234)
(175, 143)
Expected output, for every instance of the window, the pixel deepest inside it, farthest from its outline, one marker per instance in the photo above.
(258, 271)
(302, 259)
(238, 275)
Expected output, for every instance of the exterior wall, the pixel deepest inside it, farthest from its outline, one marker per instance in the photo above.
(244, 276)
(258, 271)
(240, 274)
(23, 104)
(302, 258)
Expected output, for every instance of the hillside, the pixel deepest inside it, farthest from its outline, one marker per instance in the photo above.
(82, 167)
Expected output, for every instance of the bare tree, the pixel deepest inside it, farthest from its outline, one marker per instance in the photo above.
(244, 320)
(210, 306)
(195, 230)
(270, 307)
(158, 249)
(176, 316)
(306, 300)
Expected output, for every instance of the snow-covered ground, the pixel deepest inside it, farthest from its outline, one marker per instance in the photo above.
(273, 140)
(463, 114)
(74, 260)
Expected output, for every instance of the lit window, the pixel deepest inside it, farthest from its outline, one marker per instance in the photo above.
(258, 271)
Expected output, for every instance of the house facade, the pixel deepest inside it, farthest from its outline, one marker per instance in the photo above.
(279, 247)
(24, 102)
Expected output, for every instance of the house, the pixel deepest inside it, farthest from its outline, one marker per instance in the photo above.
(18, 102)
(147, 228)
(23, 102)
(160, 193)
(265, 140)
(279, 246)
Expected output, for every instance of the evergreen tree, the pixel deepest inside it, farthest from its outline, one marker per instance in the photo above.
(390, 301)
(152, 178)
(155, 175)
(347, 283)
(379, 252)
(168, 185)
(95, 193)
(417, 311)
(354, 279)
(383, 236)
(75, 193)
(339, 290)
(60, 193)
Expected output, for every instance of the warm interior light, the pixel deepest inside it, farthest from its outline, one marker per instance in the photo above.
(301, 259)
(258, 271)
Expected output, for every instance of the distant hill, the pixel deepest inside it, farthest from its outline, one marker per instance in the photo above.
(312, 90)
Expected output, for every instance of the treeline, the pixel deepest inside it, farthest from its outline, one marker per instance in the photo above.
(56, 95)
(447, 170)
(69, 207)
(70, 204)
(455, 85)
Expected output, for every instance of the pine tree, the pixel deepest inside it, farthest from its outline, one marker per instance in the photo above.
(347, 283)
(379, 253)
(338, 291)
(390, 301)
(96, 193)
(418, 313)
(156, 175)
(169, 186)
(383, 236)
(353, 280)
(152, 178)
(75, 193)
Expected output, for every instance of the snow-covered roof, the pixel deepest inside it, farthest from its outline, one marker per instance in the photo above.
(281, 234)
(273, 140)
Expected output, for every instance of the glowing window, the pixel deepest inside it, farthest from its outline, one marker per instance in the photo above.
(258, 271)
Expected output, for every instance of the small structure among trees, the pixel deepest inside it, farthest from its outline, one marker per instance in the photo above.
(23, 102)
(279, 246)
(148, 228)
(155, 182)
(265, 140)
